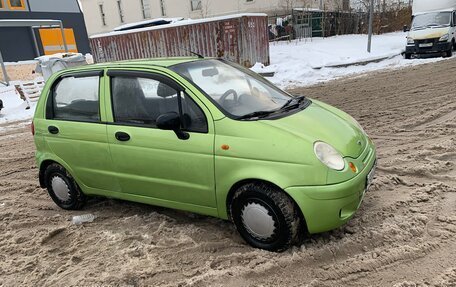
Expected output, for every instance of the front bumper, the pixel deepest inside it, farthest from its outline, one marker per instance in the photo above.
(436, 48)
(330, 206)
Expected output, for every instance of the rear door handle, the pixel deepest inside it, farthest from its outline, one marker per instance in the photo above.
(123, 137)
(53, 130)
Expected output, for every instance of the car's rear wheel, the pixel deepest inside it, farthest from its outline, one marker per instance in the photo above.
(408, 56)
(62, 188)
(265, 216)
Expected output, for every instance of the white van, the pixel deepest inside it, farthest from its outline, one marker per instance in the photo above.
(433, 28)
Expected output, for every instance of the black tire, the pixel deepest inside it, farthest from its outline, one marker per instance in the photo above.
(278, 206)
(75, 198)
(449, 53)
(408, 56)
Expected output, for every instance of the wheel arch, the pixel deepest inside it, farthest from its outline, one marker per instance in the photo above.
(43, 167)
(44, 163)
(240, 183)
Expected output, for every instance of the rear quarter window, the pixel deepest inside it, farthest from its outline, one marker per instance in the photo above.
(75, 98)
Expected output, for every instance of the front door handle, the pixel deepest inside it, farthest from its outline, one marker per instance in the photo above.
(53, 130)
(123, 137)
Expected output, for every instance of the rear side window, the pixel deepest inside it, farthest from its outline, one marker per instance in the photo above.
(76, 99)
(140, 101)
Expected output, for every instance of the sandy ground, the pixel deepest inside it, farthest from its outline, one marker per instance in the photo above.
(404, 234)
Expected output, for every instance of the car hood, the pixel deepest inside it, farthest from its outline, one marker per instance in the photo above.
(428, 33)
(320, 122)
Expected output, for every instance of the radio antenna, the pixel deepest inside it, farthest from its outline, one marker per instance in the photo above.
(191, 52)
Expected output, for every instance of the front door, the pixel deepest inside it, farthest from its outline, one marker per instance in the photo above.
(155, 163)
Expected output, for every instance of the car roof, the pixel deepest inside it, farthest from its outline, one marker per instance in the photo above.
(153, 62)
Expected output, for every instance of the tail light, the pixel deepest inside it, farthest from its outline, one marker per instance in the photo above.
(32, 127)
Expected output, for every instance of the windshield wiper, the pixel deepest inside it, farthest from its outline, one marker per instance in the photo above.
(257, 114)
(293, 103)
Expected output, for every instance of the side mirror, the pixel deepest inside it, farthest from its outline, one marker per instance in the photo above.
(405, 28)
(171, 121)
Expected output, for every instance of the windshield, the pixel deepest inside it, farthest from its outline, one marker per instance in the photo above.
(431, 19)
(236, 90)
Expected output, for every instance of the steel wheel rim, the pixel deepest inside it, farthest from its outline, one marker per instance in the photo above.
(60, 188)
(258, 221)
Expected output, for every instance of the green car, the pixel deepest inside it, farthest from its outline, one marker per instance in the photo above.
(205, 136)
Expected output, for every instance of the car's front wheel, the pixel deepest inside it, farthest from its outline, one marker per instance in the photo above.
(265, 216)
(62, 188)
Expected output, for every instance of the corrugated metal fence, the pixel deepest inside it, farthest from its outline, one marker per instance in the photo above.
(242, 39)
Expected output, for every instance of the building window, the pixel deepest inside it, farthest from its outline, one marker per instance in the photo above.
(119, 6)
(162, 7)
(196, 5)
(103, 16)
(16, 4)
(248, 1)
(145, 6)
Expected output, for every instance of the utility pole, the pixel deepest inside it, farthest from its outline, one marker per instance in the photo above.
(371, 19)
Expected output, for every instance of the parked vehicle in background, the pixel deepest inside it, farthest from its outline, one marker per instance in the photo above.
(206, 136)
(433, 28)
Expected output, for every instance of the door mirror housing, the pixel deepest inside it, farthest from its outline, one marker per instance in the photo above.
(171, 121)
(405, 28)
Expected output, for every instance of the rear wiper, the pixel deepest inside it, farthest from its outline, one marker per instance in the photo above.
(293, 103)
(257, 114)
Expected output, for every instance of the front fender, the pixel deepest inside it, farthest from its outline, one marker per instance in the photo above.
(230, 171)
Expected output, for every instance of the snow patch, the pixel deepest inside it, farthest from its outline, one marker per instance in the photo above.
(301, 63)
(14, 107)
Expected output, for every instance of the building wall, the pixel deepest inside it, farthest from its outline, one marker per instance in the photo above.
(16, 43)
(64, 6)
(182, 8)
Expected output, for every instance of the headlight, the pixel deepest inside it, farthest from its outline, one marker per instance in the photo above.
(444, 38)
(329, 156)
(410, 40)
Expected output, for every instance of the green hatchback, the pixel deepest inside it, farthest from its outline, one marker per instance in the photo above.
(205, 136)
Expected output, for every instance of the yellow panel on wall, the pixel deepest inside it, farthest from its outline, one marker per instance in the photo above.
(52, 40)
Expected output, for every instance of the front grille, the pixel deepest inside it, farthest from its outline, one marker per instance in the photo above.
(425, 41)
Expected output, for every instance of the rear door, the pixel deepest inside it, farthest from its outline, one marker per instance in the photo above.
(75, 132)
(155, 163)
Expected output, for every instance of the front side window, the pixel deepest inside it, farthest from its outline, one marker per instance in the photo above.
(236, 90)
(76, 99)
(140, 101)
(17, 4)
